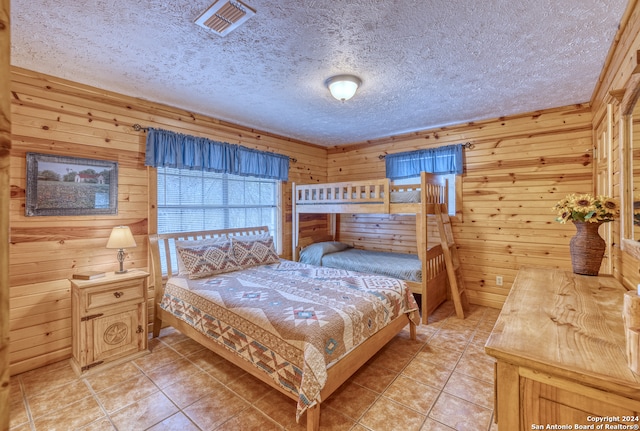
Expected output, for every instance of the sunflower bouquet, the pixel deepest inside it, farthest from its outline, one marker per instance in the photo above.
(586, 208)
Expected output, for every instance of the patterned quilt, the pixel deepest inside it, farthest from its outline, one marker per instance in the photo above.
(290, 319)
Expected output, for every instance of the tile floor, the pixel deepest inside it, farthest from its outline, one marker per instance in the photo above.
(442, 381)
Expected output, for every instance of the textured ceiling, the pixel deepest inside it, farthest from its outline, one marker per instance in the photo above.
(423, 64)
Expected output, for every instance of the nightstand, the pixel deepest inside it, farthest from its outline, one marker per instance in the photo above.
(109, 320)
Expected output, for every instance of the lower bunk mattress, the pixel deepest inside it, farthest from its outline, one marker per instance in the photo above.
(341, 256)
(289, 319)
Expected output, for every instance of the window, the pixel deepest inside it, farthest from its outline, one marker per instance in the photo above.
(454, 182)
(191, 200)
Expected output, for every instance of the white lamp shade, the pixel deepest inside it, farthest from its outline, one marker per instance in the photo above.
(121, 237)
(343, 87)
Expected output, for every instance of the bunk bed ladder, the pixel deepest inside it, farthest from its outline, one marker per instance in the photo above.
(452, 261)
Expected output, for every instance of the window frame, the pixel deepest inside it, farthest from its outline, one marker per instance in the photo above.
(277, 206)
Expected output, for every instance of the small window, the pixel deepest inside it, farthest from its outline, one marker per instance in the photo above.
(454, 198)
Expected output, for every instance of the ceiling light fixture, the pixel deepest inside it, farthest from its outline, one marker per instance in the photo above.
(343, 87)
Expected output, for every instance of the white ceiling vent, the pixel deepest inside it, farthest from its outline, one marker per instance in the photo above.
(224, 16)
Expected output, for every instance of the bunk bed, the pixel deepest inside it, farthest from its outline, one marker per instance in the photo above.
(381, 196)
(229, 291)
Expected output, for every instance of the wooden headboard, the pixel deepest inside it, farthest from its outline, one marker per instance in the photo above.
(164, 257)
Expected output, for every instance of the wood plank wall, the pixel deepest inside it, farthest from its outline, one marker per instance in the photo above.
(518, 168)
(5, 147)
(619, 66)
(55, 116)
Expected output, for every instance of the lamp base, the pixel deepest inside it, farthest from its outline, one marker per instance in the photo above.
(121, 262)
(124, 271)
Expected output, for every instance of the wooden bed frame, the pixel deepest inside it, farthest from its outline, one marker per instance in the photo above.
(163, 245)
(373, 197)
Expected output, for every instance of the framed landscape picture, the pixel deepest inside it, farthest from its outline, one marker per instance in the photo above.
(59, 185)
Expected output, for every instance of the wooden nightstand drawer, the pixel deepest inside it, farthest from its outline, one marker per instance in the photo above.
(124, 292)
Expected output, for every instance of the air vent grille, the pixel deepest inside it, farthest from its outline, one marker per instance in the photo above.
(225, 16)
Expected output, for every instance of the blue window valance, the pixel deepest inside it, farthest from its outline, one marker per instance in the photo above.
(175, 150)
(442, 160)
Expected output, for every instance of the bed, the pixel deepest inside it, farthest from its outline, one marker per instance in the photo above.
(404, 266)
(381, 196)
(302, 329)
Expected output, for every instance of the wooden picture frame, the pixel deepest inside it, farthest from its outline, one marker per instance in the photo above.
(70, 186)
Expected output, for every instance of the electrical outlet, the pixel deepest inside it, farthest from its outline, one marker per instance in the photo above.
(498, 280)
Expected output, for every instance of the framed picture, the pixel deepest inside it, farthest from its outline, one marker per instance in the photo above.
(58, 186)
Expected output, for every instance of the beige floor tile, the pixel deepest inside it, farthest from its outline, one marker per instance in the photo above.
(468, 388)
(405, 345)
(396, 389)
(23, 427)
(73, 416)
(431, 425)
(387, 415)
(410, 393)
(462, 325)
(351, 400)
(476, 363)
(17, 411)
(427, 373)
(187, 347)
(171, 335)
(250, 419)
(190, 389)
(127, 392)
(173, 372)
(278, 407)
(449, 340)
(391, 359)
(459, 414)
(56, 366)
(61, 397)
(374, 377)
(144, 413)
(447, 358)
(480, 337)
(102, 424)
(249, 387)
(486, 325)
(49, 378)
(333, 420)
(161, 356)
(113, 376)
(177, 422)
(205, 359)
(215, 409)
(225, 371)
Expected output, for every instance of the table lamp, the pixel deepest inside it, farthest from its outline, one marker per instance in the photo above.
(121, 238)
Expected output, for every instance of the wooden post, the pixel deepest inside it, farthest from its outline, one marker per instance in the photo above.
(5, 146)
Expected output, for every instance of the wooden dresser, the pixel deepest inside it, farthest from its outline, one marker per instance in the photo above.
(560, 348)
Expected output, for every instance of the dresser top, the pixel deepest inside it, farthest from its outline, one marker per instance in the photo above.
(564, 323)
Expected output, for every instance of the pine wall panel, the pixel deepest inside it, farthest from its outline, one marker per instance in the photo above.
(622, 62)
(55, 116)
(518, 168)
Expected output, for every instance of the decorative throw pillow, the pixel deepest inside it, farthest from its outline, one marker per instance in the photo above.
(254, 250)
(208, 259)
(195, 243)
(312, 254)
